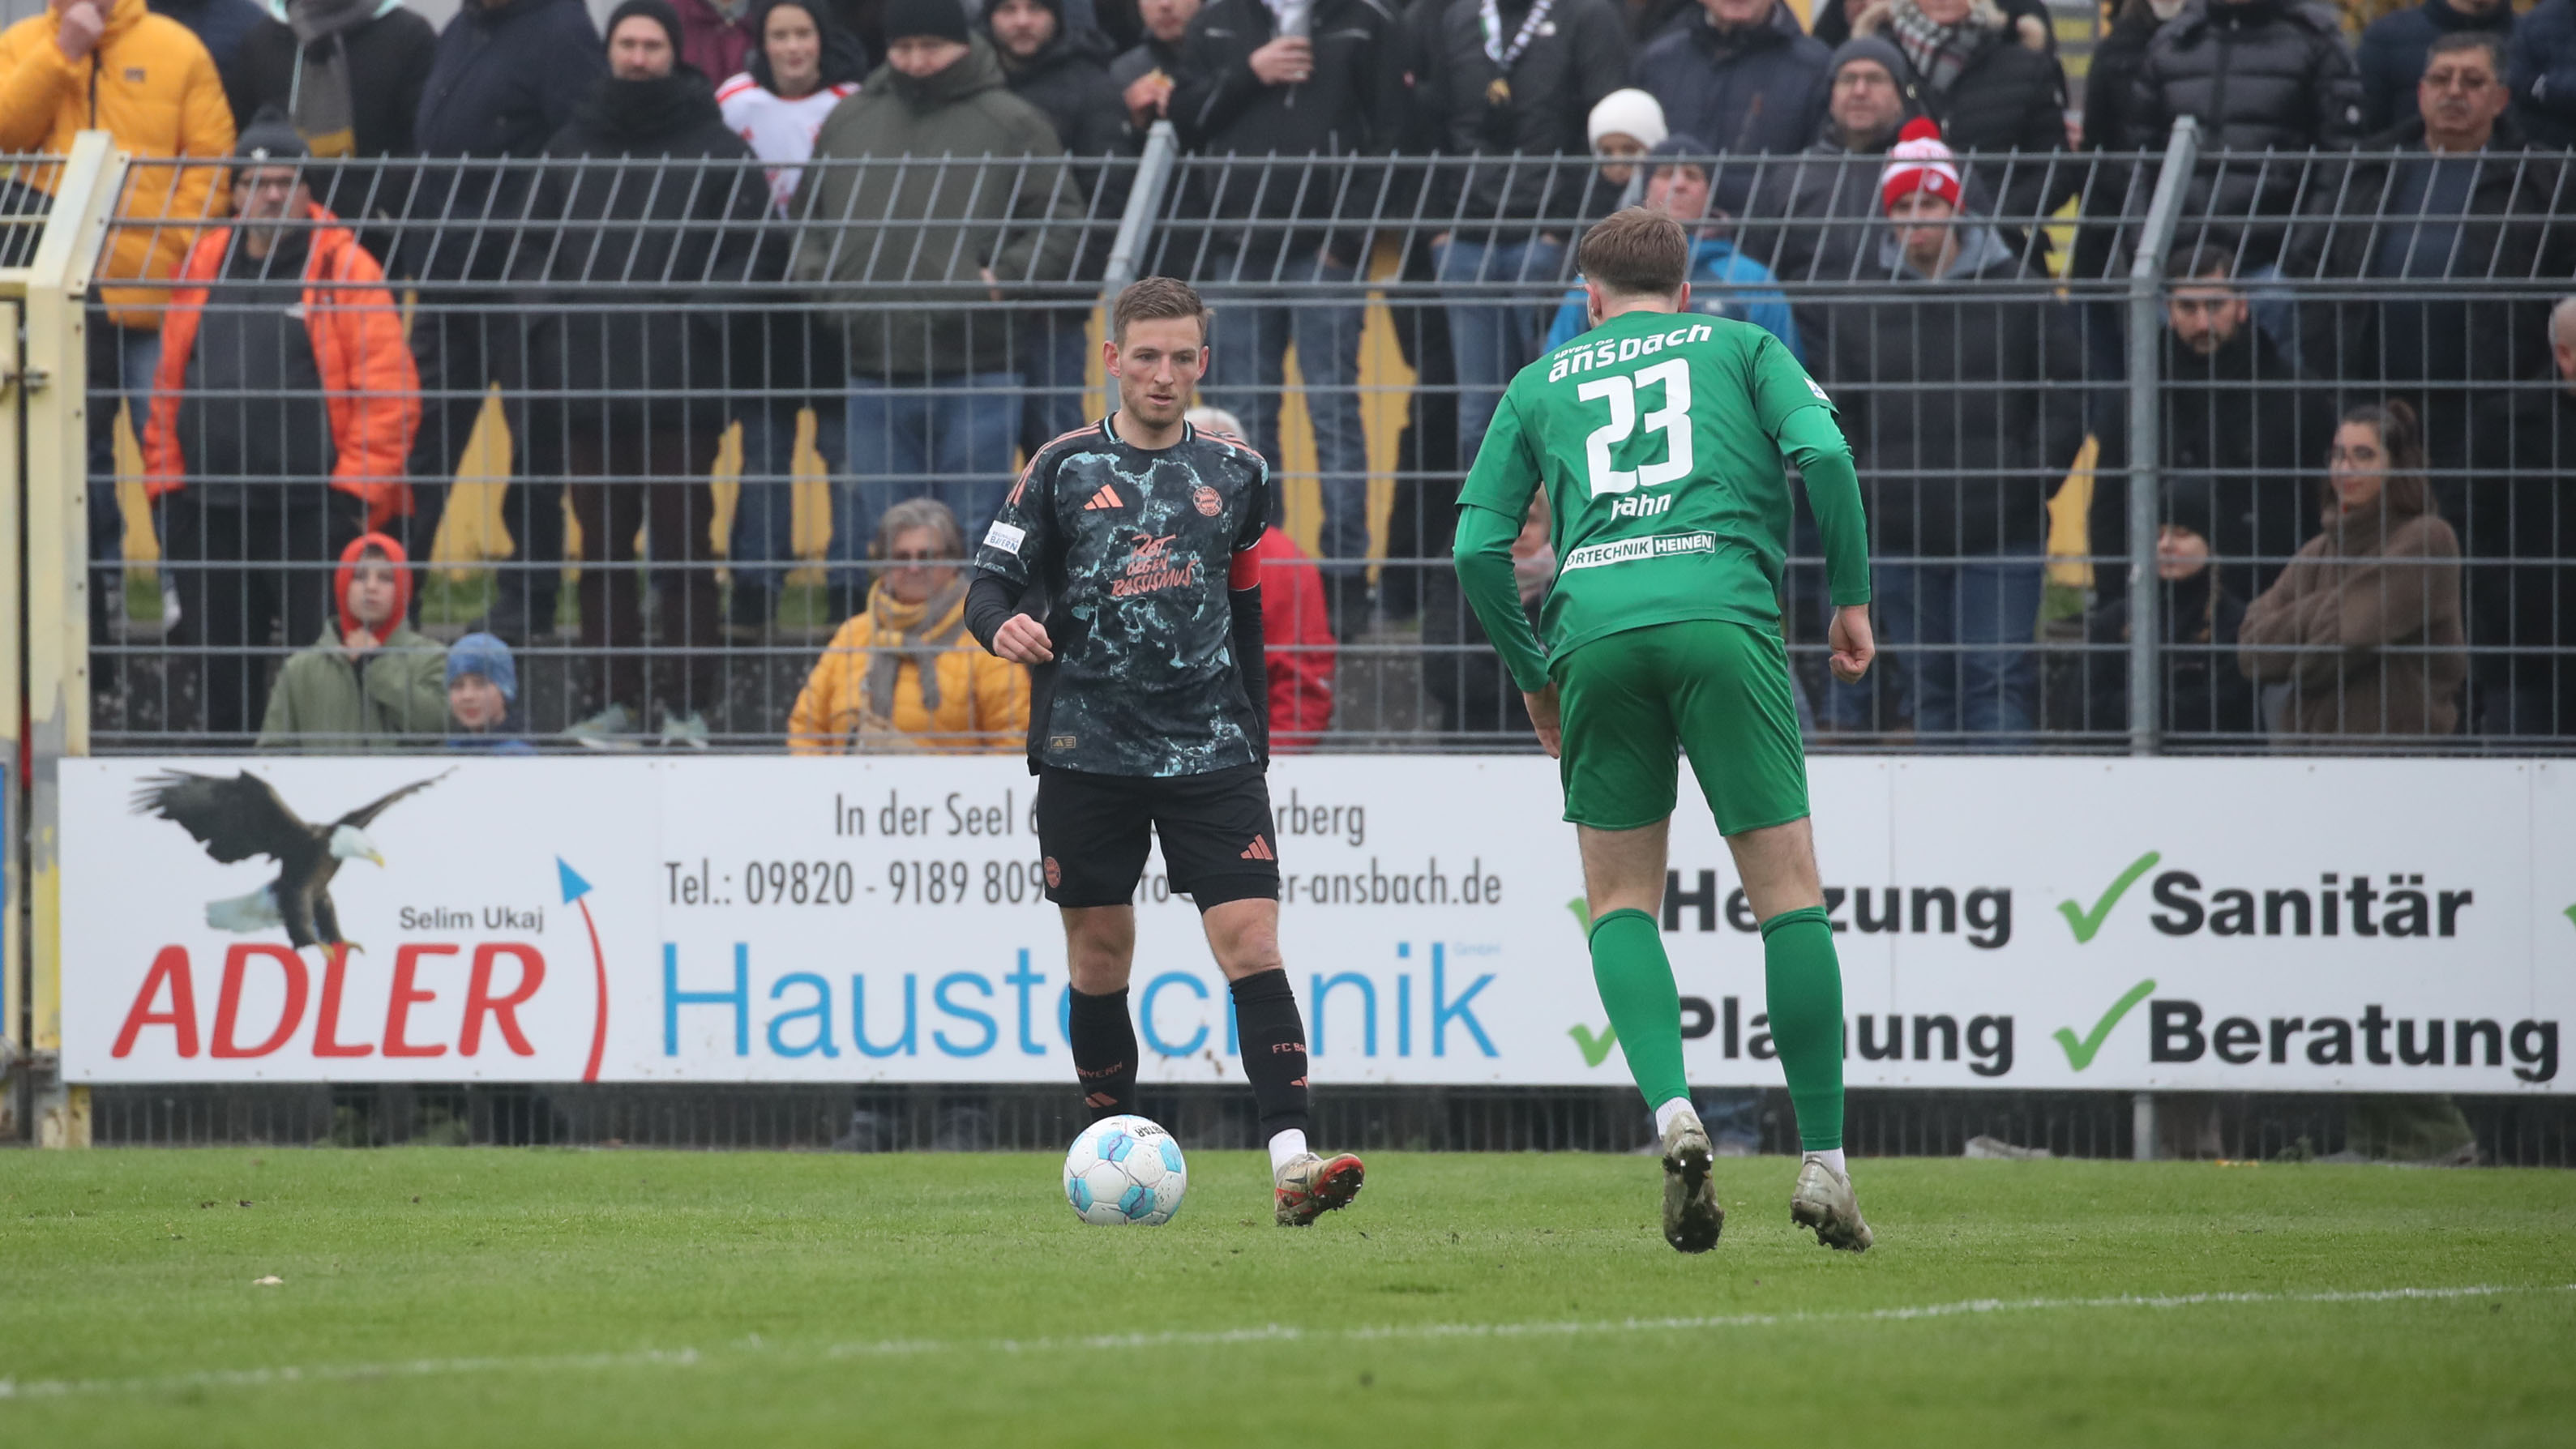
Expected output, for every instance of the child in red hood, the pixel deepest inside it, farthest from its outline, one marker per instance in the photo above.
(370, 683)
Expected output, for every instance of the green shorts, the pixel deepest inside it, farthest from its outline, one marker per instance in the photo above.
(1715, 690)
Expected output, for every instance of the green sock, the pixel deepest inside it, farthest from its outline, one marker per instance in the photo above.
(1636, 983)
(1805, 983)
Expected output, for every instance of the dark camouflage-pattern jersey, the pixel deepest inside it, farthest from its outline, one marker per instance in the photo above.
(1135, 551)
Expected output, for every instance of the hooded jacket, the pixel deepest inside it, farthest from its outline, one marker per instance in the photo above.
(1021, 220)
(2368, 582)
(982, 701)
(712, 42)
(371, 388)
(392, 698)
(2011, 97)
(505, 79)
(2204, 690)
(1951, 390)
(2392, 52)
(1069, 84)
(1755, 91)
(661, 246)
(2260, 75)
(151, 85)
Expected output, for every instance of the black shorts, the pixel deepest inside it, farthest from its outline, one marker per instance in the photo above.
(1215, 828)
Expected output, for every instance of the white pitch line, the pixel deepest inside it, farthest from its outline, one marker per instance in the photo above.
(292, 1374)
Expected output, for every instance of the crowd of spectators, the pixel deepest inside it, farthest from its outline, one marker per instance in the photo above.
(798, 206)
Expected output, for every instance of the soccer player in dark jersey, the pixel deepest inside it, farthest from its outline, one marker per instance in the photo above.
(1149, 713)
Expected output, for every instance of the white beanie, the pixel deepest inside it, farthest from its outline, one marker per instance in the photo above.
(1627, 113)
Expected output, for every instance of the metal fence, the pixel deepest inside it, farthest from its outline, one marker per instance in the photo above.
(640, 420)
(2495, 1131)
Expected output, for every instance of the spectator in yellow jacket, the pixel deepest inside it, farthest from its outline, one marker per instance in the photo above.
(113, 66)
(903, 674)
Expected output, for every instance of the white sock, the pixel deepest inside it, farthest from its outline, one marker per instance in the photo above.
(1832, 1159)
(1286, 1147)
(1664, 1115)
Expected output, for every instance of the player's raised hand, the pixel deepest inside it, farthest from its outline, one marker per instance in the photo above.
(1853, 646)
(1023, 640)
(1544, 719)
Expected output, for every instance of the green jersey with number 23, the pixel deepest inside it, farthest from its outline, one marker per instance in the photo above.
(1655, 437)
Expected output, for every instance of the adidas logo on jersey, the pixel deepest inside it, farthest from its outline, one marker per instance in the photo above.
(1641, 505)
(1107, 497)
(1259, 850)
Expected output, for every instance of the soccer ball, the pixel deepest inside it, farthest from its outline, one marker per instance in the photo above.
(1125, 1170)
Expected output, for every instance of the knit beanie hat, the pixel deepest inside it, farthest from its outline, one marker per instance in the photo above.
(942, 19)
(1919, 161)
(270, 137)
(1871, 48)
(660, 12)
(1627, 113)
(485, 655)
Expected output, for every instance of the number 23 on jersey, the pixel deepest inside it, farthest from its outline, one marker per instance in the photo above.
(1671, 382)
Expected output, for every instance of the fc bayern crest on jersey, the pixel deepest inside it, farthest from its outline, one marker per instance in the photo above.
(1209, 504)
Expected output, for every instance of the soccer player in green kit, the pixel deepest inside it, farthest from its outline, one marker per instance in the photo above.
(1658, 436)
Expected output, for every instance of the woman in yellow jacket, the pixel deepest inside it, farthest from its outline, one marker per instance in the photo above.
(903, 674)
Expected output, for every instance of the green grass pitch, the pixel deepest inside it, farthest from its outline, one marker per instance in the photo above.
(494, 1297)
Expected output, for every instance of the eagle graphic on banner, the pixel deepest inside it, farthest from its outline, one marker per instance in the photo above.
(244, 816)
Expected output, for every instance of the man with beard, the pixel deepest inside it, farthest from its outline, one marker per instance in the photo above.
(2236, 411)
(628, 386)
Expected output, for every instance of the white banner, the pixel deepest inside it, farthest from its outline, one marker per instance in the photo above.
(2259, 924)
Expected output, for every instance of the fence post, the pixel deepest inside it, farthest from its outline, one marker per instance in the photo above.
(2146, 433)
(53, 383)
(1136, 225)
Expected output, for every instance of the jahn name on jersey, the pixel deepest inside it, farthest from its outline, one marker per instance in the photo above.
(1624, 349)
(1641, 505)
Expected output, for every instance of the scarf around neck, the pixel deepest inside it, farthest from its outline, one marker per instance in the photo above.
(917, 633)
(320, 103)
(1939, 53)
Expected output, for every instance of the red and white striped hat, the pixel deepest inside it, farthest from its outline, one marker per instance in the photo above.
(1919, 161)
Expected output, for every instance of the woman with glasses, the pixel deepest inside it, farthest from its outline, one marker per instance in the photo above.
(903, 674)
(2361, 634)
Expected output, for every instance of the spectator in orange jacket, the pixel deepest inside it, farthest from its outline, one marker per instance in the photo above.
(1296, 628)
(113, 66)
(285, 403)
(903, 674)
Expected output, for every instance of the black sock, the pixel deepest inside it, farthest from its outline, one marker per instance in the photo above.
(1104, 1052)
(1273, 1037)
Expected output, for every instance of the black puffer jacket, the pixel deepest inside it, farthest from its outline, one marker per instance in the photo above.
(2522, 508)
(1960, 400)
(2110, 90)
(2012, 97)
(1554, 86)
(2260, 75)
(631, 316)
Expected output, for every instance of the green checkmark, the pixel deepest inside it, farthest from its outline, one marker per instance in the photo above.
(1595, 1049)
(2570, 913)
(2079, 1054)
(1582, 916)
(2084, 922)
